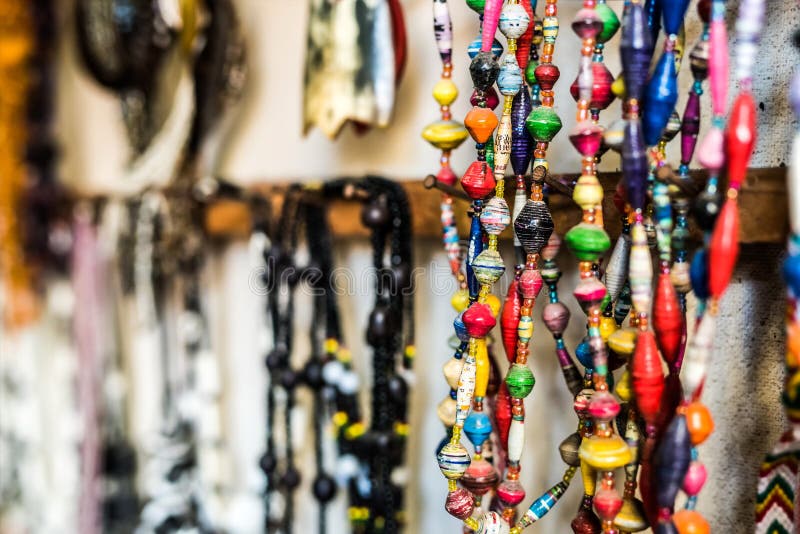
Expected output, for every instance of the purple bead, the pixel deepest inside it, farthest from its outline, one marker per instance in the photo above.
(521, 140)
(794, 93)
(672, 460)
(690, 127)
(636, 45)
(634, 164)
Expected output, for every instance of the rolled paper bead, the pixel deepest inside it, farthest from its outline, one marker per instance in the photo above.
(623, 341)
(479, 320)
(516, 439)
(453, 460)
(648, 377)
(489, 98)
(679, 276)
(502, 413)
(513, 21)
(478, 180)
(520, 380)
(667, 319)
(543, 123)
(445, 134)
(610, 22)
(699, 422)
(699, 274)
(509, 81)
(530, 283)
(587, 24)
(585, 522)
(587, 241)
(483, 70)
(460, 503)
(672, 128)
(482, 368)
(602, 79)
(690, 522)
(524, 41)
(634, 164)
(673, 13)
(711, 153)
(480, 123)
(603, 406)
(653, 10)
(607, 327)
(539, 508)
(695, 364)
(718, 66)
(460, 328)
(614, 135)
(584, 354)
(631, 517)
(510, 493)
(502, 146)
(741, 138)
(589, 292)
(460, 300)
(452, 371)
(494, 303)
(492, 523)
(640, 269)
(605, 454)
(495, 216)
(723, 249)
(480, 477)
(607, 504)
(521, 140)
(556, 317)
(690, 127)
(671, 462)
(510, 319)
(445, 92)
(623, 305)
(586, 137)
(533, 226)
(488, 266)
(588, 192)
(525, 328)
(476, 5)
(695, 478)
(617, 267)
(475, 47)
(636, 44)
(443, 30)
(491, 18)
(698, 59)
(568, 449)
(662, 95)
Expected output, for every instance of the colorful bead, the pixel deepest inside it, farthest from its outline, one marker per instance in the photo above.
(460, 503)
(478, 181)
(453, 460)
(520, 380)
(587, 241)
(495, 216)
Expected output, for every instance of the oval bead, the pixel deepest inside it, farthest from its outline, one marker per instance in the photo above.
(587, 241)
(514, 21)
(509, 81)
(520, 381)
(648, 377)
(533, 226)
(667, 319)
(445, 92)
(510, 319)
(460, 503)
(488, 266)
(525, 328)
(556, 317)
(445, 134)
(453, 460)
(690, 522)
(699, 422)
(723, 249)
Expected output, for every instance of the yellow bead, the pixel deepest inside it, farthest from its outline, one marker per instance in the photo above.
(445, 92)
(631, 516)
(623, 388)
(618, 87)
(494, 304)
(623, 341)
(355, 430)
(460, 300)
(411, 351)
(482, 368)
(589, 477)
(331, 346)
(445, 135)
(588, 192)
(607, 327)
(605, 454)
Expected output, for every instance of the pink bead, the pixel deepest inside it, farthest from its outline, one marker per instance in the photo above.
(459, 503)
(478, 320)
(586, 137)
(550, 250)
(607, 503)
(582, 401)
(510, 492)
(491, 16)
(590, 290)
(603, 406)
(446, 175)
(711, 153)
(718, 67)
(492, 98)
(556, 317)
(695, 478)
(530, 283)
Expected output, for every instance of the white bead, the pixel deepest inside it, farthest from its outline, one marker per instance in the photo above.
(331, 372)
(617, 268)
(697, 356)
(513, 21)
(348, 383)
(516, 440)
(346, 468)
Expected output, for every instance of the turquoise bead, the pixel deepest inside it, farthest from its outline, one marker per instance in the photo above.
(477, 428)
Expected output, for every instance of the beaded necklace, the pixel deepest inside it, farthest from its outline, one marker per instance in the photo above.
(779, 477)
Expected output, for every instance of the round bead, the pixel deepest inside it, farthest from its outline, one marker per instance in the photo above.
(488, 266)
(445, 92)
(452, 371)
(530, 283)
(460, 503)
(460, 300)
(695, 478)
(568, 449)
(690, 522)
(492, 523)
(556, 317)
(543, 123)
(513, 21)
(445, 135)
(480, 123)
(479, 320)
(510, 493)
(588, 192)
(699, 421)
(584, 354)
(479, 477)
(509, 81)
(324, 488)
(520, 380)
(605, 454)
(587, 241)
(477, 428)
(460, 328)
(453, 460)
(446, 411)
(495, 216)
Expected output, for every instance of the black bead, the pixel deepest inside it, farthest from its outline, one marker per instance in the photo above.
(398, 389)
(312, 374)
(706, 208)
(291, 478)
(289, 379)
(382, 324)
(484, 70)
(267, 463)
(402, 276)
(375, 214)
(533, 226)
(324, 488)
(276, 359)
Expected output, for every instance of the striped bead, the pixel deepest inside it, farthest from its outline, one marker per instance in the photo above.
(550, 29)
(509, 81)
(491, 523)
(495, 216)
(488, 267)
(514, 21)
(453, 460)
(525, 328)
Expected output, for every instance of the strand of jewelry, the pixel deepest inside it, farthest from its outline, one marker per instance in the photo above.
(779, 477)
(604, 451)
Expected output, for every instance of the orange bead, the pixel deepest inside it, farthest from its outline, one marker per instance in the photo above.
(480, 123)
(690, 522)
(793, 345)
(700, 423)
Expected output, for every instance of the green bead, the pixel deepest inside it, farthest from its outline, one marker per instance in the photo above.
(606, 301)
(476, 5)
(520, 381)
(610, 22)
(543, 124)
(490, 152)
(530, 72)
(587, 241)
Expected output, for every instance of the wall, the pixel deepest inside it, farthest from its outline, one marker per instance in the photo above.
(266, 145)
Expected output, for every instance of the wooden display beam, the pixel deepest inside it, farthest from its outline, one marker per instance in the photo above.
(762, 202)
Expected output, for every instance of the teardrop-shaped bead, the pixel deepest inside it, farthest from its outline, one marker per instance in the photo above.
(510, 319)
(502, 413)
(724, 248)
(667, 319)
(671, 462)
(477, 428)
(648, 377)
(695, 479)
(673, 13)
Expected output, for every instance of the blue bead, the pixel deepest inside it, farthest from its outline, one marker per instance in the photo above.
(791, 273)
(475, 47)
(477, 428)
(674, 11)
(698, 273)
(509, 81)
(460, 327)
(660, 98)
(584, 354)
(445, 441)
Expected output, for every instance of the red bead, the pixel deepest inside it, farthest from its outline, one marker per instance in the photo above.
(601, 87)
(524, 42)
(510, 319)
(446, 175)
(741, 138)
(724, 248)
(479, 477)
(530, 283)
(585, 522)
(607, 503)
(479, 320)
(547, 75)
(502, 413)
(620, 197)
(667, 319)
(603, 406)
(478, 180)
(491, 97)
(510, 493)
(647, 377)
(460, 503)
(586, 137)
